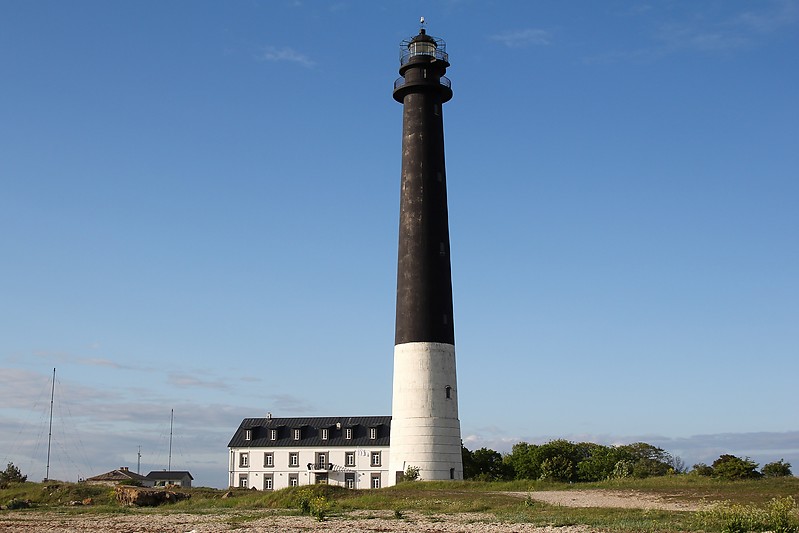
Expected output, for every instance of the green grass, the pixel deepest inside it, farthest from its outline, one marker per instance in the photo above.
(747, 502)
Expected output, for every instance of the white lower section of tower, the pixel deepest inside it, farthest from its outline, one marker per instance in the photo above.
(425, 430)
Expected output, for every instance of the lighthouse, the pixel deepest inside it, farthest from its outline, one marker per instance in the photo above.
(425, 429)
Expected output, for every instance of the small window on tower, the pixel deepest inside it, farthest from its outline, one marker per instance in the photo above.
(449, 391)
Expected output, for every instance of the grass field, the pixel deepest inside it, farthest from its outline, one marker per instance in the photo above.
(756, 505)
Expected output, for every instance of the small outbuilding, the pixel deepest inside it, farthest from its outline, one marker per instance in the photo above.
(120, 475)
(175, 478)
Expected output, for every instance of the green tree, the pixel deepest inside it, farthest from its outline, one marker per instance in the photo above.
(777, 469)
(648, 460)
(524, 461)
(732, 467)
(701, 469)
(489, 466)
(601, 462)
(11, 474)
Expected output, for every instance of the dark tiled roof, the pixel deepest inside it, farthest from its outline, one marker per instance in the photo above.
(171, 474)
(310, 428)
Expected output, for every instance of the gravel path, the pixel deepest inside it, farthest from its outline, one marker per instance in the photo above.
(377, 521)
(139, 521)
(606, 498)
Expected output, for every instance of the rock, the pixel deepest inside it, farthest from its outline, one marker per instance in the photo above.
(228, 494)
(147, 497)
(88, 501)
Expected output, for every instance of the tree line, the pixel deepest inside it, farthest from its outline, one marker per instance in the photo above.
(566, 461)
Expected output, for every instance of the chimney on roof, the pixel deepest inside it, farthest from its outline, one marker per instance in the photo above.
(269, 415)
(123, 468)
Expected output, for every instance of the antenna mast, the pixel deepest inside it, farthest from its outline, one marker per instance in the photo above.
(171, 421)
(50, 432)
(138, 461)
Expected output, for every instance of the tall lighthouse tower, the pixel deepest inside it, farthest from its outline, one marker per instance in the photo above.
(425, 430)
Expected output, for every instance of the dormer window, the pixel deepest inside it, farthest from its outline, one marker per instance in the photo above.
(348, 433)
(373, 433)
(272, 434)
(324, 433)
(247, 434)
(297, 434)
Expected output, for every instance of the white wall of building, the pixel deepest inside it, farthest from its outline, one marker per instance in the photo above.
(249, 466)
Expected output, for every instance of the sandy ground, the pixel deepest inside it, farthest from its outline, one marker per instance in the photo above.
(605, 498)
(139, 521)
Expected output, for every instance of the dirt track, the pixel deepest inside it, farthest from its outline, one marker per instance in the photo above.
(139, 521)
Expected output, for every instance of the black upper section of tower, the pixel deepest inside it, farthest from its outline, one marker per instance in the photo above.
(424, 280)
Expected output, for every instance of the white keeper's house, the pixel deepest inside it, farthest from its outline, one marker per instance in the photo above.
(274, 453)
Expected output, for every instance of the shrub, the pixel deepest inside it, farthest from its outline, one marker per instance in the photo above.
(777, 469)
(557, 468)
(732, 467)
(411, 473)
(701, 469)
(320, 507)
(12, 474)
(779, 516)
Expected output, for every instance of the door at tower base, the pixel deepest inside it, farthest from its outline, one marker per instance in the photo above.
(425, 430)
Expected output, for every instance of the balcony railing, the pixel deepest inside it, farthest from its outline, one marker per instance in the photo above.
(439, 51)
(399, 82)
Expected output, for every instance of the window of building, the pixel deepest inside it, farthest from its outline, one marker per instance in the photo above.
(297, 434)
(449, 391)
(349, 459)
(320, 478)
(243, 481)
(375, 481)
(349, 481)
(375, 458)
(294, 458)
(294, 480)
(452, 473)
(348, 433)
(247, 434)
(321, 461)
(244, 459)
(272, 434)
(268, 482)
(269, 459)
(324, 433)
(372, 433)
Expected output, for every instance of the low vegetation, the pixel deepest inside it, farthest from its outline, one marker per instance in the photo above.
(747, 503)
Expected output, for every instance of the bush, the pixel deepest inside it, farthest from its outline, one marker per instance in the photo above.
(11, 474)
(701, 469)
(779, 516)
(777, 469)
(557, 468)
(411, 473)
(732, 467)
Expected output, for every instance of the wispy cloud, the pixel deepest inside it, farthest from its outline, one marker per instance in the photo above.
(525, 37)
(68, 358)
(706, 31)
(277, 54)
(193, 381)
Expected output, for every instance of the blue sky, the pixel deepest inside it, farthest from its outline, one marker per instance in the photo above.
(199, 212)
